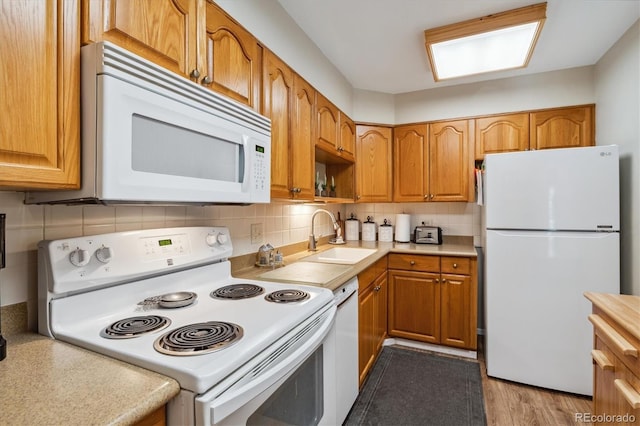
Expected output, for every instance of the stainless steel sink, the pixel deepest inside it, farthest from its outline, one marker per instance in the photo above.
(341, 255)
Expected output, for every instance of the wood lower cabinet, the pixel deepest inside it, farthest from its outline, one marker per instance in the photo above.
(616, 358)
(433, 299)
(40, 131)
(372, 315)
(374, 177)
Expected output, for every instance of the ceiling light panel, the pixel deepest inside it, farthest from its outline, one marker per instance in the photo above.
(492, 43)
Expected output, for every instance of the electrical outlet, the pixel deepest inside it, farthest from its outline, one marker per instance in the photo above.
(256, 233)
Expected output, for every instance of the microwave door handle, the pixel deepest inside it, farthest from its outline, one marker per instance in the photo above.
(243, 163)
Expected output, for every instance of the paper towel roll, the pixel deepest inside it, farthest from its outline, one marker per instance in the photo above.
(403, 228)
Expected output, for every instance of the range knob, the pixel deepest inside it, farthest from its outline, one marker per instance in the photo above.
(79, 257)
(211, 239)
(104, 254)
(222, 238)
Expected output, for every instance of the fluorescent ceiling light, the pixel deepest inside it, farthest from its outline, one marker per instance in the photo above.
(492, 43)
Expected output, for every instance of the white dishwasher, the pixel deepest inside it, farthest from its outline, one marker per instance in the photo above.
(346, 364)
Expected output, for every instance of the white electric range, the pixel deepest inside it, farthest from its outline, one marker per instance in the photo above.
(165, 300)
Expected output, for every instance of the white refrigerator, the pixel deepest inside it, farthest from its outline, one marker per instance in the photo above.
(552, 233)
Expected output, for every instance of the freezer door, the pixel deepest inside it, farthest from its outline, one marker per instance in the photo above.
(554, 189)
(536, 314)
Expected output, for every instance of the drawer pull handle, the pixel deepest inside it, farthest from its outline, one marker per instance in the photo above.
(412, 263)
(601, 359)
(630, 394)
(616, 338)
(455, 265)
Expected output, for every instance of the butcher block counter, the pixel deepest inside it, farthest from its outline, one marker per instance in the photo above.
(616, 358)
(48, 382)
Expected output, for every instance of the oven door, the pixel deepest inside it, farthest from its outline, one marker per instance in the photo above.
(291, 383)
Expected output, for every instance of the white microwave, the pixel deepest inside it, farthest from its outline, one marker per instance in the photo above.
(150, 136)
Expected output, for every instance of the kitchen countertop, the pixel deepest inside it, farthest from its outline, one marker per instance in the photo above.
(623, 309)
(452, 246)
(48, 382)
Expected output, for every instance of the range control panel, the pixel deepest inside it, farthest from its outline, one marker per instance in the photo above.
(92, 261)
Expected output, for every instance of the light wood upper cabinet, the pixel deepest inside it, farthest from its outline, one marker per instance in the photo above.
(277, 105)
(449, 161)
(288, 102)
(162, 31)
(40, 131)
(374, 178)
(432, 162)
(233, 58)
(327, 124)
(562, 127)
(302, 142)
(501, 133)
(347, 145)
(410, 163)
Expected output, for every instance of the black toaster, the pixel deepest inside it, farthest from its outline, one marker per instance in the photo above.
(427, 234)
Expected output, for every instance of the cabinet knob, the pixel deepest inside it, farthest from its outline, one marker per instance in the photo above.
(426, 196)
(431, 196)
(207, 80)
(412, 263)
(358, 197)
(437, 280)
(455, 265)
(195, 73)
(444, 281)
(296, 190)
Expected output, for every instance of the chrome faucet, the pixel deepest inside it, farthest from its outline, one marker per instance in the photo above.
(338, 238)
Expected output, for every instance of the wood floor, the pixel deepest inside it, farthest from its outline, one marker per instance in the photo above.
(509, 403)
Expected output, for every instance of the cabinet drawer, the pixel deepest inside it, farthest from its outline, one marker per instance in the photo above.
(366, 277)
(456, 265)
(414, 262)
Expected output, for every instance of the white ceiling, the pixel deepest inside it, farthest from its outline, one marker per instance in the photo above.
(378, 45)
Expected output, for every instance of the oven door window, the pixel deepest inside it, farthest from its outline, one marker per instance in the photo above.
(298, 401)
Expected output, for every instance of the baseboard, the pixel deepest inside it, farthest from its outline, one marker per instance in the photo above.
(464, 353)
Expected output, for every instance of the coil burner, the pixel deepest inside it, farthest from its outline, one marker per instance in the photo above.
(198, 339)
(287, 296)
(135, 326)
(237, 291)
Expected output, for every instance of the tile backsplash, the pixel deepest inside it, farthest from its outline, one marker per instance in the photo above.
(283, 224)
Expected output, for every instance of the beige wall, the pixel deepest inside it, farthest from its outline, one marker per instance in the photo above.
(617, 88)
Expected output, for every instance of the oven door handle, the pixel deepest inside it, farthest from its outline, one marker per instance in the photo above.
(269, 368)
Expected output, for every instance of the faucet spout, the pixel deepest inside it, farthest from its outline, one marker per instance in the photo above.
(336, 226)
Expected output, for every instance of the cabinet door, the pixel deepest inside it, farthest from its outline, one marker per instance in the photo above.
(449, 161)
(277, 101)
(366, 339)
(233, 58)
(327, 125)
(347, 144)
(162, 31)
(40, 131)
(380, 312)
(414, 305)
(410, 163)
(302, 144)
(456, 310)
(373, 168)
(503, 133)
(562, 128)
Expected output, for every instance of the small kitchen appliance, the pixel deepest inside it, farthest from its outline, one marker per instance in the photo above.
(152, 136)
(243, 351)
(427, 234)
